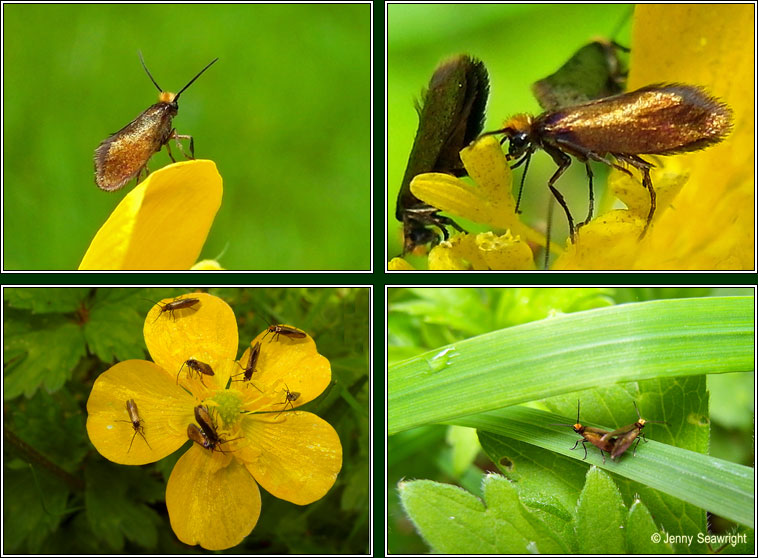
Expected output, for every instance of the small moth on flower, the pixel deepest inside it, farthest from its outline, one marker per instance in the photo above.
(125, 154)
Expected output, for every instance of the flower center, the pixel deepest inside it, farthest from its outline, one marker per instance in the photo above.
(228, 407)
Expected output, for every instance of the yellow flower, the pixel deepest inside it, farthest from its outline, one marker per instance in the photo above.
(490, 202)
(706, 199)
(212, 495)
(162, 223)
(207, 265)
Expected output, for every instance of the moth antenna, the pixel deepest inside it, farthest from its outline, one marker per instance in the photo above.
(176, 97)
(148, 72)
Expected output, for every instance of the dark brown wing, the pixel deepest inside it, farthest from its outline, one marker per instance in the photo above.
(451, 115)
(122, 156)
(657, 119)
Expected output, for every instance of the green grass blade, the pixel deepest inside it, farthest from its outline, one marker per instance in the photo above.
(713, 484)
(656, 339)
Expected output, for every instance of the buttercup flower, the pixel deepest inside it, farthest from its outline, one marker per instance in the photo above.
(246, 428)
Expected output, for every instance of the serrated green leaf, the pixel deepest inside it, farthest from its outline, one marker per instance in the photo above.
(113, 511)
(600, 516)
(44, 350)
(453, 521)
(41, 300)
(642, 533)
(114, 327)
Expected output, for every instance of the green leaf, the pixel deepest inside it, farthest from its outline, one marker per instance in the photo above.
(641, 532)
(454, 521)
(27, 517)
(666, 338)
(113, 329)
(46, 300)
(709, 483)
(599, 515)
(40, 351)
(113, 511)
(464, 445)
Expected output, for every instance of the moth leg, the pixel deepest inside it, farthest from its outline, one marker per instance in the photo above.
(139, 172)
(168, 147)
(563, 161)
(644, 167)
(592, 198)
(178, 137)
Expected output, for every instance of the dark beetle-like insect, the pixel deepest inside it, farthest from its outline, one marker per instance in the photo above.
(451, 115)
(125, 154)
(288, 399)
(174, 305)
(197, 366)
(596, 436)
(662, 119)
(627, 434)
(287, 331)
(593, 72)
(136, 422)
(207, 435)
(247, 372)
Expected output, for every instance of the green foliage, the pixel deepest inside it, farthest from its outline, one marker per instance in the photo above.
(62, 497)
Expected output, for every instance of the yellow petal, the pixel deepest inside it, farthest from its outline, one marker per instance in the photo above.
(212, 500)
(399, 264)
(504, 252)
(300, 457)
(710, 223)
(162, 407)
(607, 242)
(162, 223)
(484, 251)
(668, 178)
(206, 332)
(490, 202)
(207, 265)
(283, 364)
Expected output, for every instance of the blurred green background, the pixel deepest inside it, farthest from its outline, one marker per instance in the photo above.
(519, 44)
(423, 319)
(284, 113)
(60, 496)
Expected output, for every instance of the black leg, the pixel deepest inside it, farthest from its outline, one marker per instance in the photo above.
(563, 161)
(644, 167)
(647, 183)
(634, 453)
(592, 197)
(526, 160)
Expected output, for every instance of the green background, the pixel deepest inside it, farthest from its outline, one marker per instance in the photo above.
(60, 496)
(519, 44)
(284, 113)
